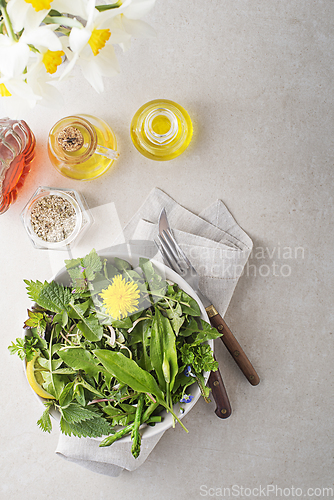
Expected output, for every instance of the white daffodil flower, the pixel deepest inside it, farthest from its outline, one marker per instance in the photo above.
(14, 55)
(16, 96)
(42, 85)
(136, 9)
(127, 20)
(132, 9)
(91, 48)
(30, 13)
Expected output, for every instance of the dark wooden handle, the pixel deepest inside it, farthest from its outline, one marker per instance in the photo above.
(235, 349)
(219, 394)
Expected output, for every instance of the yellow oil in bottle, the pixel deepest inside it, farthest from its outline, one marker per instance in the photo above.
(161, 130)
(82, 147)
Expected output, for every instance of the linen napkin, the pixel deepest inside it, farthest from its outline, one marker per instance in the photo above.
(218, 249)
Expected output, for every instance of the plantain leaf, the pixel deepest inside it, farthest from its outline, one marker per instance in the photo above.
(128, 372)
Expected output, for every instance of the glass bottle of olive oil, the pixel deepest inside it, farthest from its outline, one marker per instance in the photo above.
(82, 147)
(161, 129)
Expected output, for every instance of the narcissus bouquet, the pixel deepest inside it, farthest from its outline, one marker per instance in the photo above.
(41, 41)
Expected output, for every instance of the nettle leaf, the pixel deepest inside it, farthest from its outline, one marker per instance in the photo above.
(54, 297)
(94, 427)
(34, 288)
(71, 263)
(74, 413)
(45, 421)
(77, 277)
(92, 264)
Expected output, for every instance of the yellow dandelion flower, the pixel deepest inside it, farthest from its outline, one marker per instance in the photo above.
(120, 298)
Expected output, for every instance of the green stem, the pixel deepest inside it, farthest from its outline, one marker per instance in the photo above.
(149, 411)
(8, 23)
(63, 21)
(172, 412)
(109, 6)
(50, 360)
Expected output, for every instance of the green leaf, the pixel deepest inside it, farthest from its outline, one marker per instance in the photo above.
(79, 394)
(157, 350)
(90, 327)
(45, 421)
(92, 264)
(36, 320)
(189, 328)
(34, 288)
(122, 323)
(94, 427)
(81, 359)
(207, 332)
(163, 348)
(26, 347)
(74, 413)
(66, 395)
(54, 297)
(189, 305)
(122, 264)
(175, 314)
(141, 334)
(128, 372)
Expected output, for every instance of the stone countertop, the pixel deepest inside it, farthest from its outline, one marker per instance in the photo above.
(257, 80)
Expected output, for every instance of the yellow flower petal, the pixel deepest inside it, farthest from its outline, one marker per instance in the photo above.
(98, 39)
(120, 298)
(40, 4)
(4, 92)
(52, 59)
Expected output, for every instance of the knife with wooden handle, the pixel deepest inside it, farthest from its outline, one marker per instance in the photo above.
(233, 346)
(216, 384)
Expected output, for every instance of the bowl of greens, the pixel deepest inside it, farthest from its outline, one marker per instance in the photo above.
(116, 347)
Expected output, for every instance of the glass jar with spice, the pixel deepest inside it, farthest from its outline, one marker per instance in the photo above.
(54, 218)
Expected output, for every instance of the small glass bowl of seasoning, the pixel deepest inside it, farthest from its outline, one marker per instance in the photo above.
(54, 218)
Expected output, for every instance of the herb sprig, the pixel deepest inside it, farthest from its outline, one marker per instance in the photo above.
(110, 375)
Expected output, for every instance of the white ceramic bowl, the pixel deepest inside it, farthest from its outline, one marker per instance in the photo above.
(167, 273)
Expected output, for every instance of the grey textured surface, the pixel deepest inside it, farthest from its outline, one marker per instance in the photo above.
(257, 79)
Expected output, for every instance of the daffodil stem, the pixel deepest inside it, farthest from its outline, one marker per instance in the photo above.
(63, 21)
(8, 23)
(109, 6)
